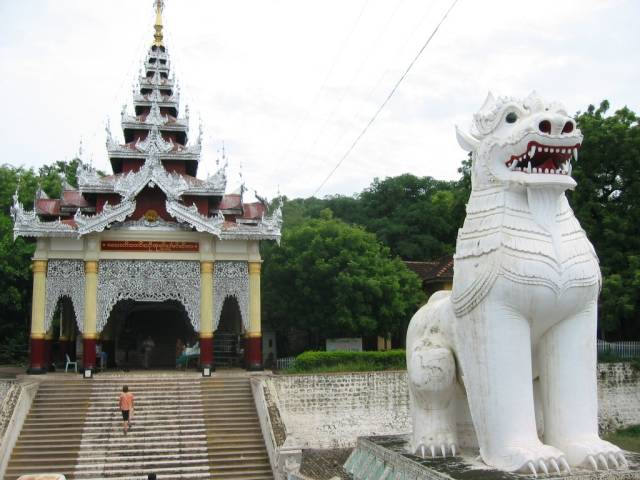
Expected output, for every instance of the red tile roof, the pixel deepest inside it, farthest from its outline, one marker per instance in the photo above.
(230, 201)
(434, 271)
(253, 210)
(73, 198)
(48, 206)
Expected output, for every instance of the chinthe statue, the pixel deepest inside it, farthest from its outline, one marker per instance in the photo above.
(517, 334)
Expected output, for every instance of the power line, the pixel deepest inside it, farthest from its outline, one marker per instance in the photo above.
(393, 91)
(300, 120)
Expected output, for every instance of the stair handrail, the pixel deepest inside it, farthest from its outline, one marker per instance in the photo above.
(27, 392)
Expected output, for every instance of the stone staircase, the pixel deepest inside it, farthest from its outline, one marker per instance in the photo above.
(183, 427)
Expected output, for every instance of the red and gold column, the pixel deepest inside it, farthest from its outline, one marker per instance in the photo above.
(89, 335)
(37, 358)
(253, 337)
(206, 317)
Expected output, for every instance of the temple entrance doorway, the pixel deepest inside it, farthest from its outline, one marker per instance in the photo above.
(228, 341)
(147, 334)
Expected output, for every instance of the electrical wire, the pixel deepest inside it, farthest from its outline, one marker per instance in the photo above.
(302, 121)
(386, 100)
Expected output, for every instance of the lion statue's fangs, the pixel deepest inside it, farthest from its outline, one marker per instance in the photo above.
(514, 342)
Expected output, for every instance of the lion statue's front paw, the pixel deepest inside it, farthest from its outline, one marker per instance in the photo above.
(595, 453)
(532, 460)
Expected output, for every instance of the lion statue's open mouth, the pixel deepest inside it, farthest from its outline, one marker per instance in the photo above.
(544, 158)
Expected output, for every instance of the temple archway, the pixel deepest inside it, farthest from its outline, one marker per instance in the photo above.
(132, 323)
(228, 342)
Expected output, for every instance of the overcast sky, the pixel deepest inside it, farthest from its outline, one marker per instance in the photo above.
(289, 84)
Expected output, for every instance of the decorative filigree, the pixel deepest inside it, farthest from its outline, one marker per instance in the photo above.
(218, 181)
(149, 281)
(27, 224)
(143, 224)
(269, 228)
(231, 279)
(152, 173)
(194, 218)
(89, 179)
(154, 142)
(157, 96)
(273, 224)
(155, 117)
(65, 278)
(109, 214)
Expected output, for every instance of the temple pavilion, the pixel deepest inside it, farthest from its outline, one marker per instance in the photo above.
(149, 251)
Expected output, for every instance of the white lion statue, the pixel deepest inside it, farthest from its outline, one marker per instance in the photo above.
(516, 338)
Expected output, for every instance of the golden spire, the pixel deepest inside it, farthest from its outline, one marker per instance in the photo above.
(157, 36)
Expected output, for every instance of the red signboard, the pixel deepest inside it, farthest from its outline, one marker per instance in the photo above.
(149, 246)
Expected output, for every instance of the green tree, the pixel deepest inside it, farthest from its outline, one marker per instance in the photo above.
(15, 255)
(333, 279)
(607, 203)
(417, 217)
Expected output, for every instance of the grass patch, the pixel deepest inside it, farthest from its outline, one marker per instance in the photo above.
(324, 362)
(627, 438)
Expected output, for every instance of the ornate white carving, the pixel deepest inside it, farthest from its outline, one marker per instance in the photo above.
(109, 214)
(157, 96)
(152, 173)
(231, 279)
(194, 218)
(154, 143)
(65, 278)
(155, 117)
(273, 224)
(149, 281)
(522, 315)
(269, 228)
(89, 179)
(27, 224)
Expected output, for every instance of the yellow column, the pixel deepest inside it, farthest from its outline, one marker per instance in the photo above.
(89, 335)
(206, 317)
(255, 328)
(39, 298)
(90, 298)
(206, 299)
(38, 362)
(253, 341)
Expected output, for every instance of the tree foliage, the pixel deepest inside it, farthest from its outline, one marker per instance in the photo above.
(607, 203)
(333, 279)
(15, 255)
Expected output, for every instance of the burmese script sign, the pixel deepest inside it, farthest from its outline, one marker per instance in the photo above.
(149, 246)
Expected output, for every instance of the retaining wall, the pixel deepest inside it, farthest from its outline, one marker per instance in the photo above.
(332, 410)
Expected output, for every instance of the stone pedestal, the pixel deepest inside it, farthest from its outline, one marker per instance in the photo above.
(387, 458)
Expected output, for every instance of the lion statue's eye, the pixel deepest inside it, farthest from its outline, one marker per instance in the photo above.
(511, 117)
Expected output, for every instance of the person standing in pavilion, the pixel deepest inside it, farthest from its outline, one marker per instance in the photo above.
(147, 346)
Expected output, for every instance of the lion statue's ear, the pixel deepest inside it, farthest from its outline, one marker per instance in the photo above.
(467, 141)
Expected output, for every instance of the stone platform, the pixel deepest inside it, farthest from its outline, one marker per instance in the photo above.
(387, 458)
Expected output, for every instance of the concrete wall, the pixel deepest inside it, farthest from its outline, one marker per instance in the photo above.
(618, 396)
(332, 410)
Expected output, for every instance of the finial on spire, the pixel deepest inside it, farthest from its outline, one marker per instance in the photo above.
(157, 36)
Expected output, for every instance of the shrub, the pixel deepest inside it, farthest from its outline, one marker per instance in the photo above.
(348, 361)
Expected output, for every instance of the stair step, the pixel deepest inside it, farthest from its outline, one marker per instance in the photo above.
(188, 428)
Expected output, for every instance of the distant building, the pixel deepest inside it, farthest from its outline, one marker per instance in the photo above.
(435, 275)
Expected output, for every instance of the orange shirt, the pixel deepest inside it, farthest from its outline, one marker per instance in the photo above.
(126, 401)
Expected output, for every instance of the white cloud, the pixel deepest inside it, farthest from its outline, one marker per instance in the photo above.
(288, 85)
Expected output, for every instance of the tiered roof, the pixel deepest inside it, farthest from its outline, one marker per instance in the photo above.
(154, 175)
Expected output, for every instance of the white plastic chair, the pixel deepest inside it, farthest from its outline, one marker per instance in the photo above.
(70, 363)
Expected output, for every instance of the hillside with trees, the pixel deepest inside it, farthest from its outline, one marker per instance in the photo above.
(309, 281)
